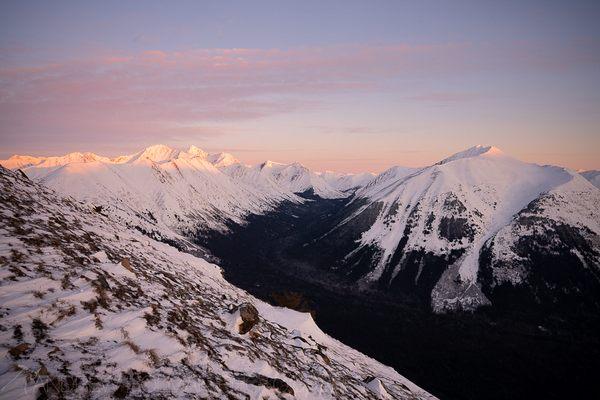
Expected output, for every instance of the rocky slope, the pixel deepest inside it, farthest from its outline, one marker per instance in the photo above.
(92, 309)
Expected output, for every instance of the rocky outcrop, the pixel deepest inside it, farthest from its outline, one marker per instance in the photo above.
(249, 315)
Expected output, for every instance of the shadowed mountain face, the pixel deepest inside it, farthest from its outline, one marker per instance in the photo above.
(516, 243)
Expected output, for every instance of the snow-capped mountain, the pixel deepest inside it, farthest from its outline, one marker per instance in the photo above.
(424, 231)
(287, 178)
(448, 233)
(344, 182)
(156, 189)
(161, 187)
(592, 176)
(94, 309)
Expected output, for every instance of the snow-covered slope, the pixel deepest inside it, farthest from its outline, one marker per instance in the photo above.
(423, 230)
(161, 187)
(220, 160)
(94, 309)
(381, 182)
(344, 182)
(285, 178)
(592, 176)
(167, 187)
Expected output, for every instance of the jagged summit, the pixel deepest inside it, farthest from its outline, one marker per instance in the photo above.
(19, 161)
(158, 153)
(179, 188)
(347, 181)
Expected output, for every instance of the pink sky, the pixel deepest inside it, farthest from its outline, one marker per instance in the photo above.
(364, 104)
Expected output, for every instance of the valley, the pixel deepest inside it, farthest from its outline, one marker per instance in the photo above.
(493, 353)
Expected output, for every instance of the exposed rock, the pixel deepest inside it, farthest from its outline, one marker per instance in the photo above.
(249, 315)
(127, 264)
(455, 229)
(18, 350)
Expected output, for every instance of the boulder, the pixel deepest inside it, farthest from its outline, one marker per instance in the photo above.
(249, 315)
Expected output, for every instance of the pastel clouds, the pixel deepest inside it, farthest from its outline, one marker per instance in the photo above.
(153, 91)
(156, 94)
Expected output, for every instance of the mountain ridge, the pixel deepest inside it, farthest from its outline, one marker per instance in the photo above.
(447, 212)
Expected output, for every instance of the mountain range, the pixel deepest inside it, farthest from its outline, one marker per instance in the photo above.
(109, 256)
(458, 234)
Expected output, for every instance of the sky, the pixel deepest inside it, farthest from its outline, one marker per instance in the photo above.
(336, 85)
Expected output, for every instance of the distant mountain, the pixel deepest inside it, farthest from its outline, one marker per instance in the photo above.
(167, 190)
(288, 178)
(593, 177)
(459, 234)
(464, 232)
(92, 308)
(346, 182)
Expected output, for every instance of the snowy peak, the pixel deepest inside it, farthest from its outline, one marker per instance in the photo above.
(162, 153)
(75, 157)
(475, 151)
(286, 180)
(196, 152)
(450, 210)
(158, 153)
(18, 161)
(181, 190)
(298, 179)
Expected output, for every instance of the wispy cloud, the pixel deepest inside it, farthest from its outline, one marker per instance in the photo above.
(154, 92)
